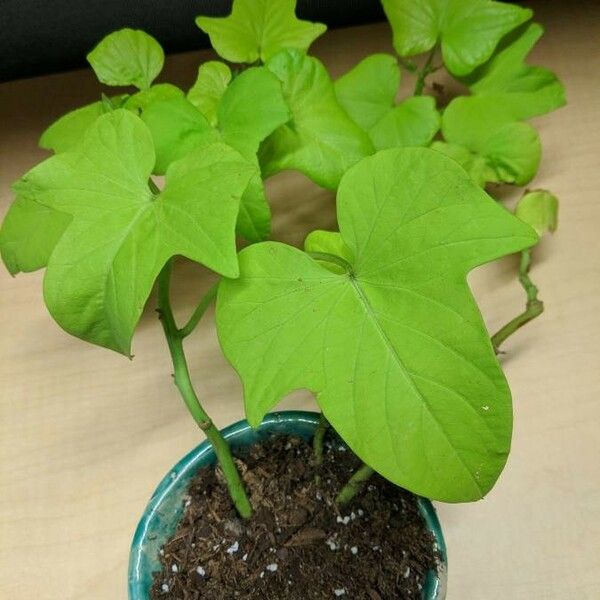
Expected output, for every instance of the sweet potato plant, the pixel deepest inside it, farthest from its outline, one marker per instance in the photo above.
(376, 319)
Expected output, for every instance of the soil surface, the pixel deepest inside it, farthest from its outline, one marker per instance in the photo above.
(297, 545)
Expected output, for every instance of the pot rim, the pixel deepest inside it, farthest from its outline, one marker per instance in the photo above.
(187, 465)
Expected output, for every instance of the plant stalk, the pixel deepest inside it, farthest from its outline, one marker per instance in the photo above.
(318, 438)
(534, 307)
(184, 384)
(424, 72)
(354, 485)
(199, 311)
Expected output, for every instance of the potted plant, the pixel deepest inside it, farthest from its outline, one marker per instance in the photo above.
(376, 319)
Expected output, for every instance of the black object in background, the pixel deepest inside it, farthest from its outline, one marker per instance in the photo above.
(45, 36)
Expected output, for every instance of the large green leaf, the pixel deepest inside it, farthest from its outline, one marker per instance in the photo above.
(528, 90)
(368, 91)
(368, 94)
(320, 140)
(209, 87)
(258, 29)
(395, 348)
(102, 269)
(28, 235)
(487, 128)
(468, 30)
(127, 57)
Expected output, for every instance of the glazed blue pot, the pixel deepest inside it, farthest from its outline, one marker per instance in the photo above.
(162, 515)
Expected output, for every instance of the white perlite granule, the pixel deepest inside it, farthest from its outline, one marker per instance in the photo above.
(200, 571)
(272, 567)
(340, 592)
(233, 548)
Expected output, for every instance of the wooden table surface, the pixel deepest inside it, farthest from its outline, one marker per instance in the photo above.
(85, 434)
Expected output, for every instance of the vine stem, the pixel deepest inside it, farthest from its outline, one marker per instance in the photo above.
(199, 311)
(184, 384)
(318, 438)
(427, 69)
(354, 485)
(534, 307)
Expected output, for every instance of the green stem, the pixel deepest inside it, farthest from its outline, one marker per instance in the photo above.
(318, 438)
(424, 72)
(198, 313)
(184, 385)
(534, 307)
(354, 485)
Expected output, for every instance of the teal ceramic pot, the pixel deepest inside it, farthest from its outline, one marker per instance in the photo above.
(164, 510)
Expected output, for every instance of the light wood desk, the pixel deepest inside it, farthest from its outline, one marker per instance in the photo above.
(85, 434)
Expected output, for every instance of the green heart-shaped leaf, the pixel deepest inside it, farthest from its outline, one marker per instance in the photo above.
(368, 93)
(102, 268)
(258, 29)
(414, 122)
(468, 30)
(394, 348)
(486, 128)
(320, 140)
(127, 57)
(209, 87)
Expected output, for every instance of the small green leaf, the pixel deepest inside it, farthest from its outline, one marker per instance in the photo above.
(368, 91)
(395, 348)
(413, 122)
(102, 268)
(368, 94)
(320, 140)
(539, 208)
(254, 219)
(177, 128)
(487, 128)
(68, 130)
(252, 108)
(258, 29)
(161, 91)
(476, 166)
(529, 91)
(28, 235)
(127, 57)
(209, 87)
(330, 243)
(468, 30)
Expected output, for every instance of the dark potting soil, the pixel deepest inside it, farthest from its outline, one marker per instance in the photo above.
(297, 545)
